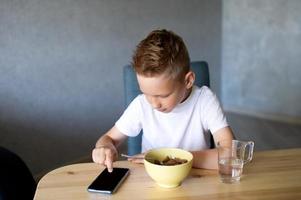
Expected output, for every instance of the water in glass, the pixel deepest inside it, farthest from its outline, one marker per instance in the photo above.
(230, 169)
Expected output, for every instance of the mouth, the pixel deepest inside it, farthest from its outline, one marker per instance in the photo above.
(162, 110)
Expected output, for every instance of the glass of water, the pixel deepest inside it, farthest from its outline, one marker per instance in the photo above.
(232, 155)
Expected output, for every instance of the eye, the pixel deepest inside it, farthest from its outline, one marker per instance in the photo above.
(164, 96)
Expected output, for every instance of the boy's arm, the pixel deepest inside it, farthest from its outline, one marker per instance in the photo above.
(105, 151)
(208, 159)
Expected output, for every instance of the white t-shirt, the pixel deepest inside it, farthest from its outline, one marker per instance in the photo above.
(186, 126)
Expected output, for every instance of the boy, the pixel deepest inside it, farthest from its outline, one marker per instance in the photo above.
(171, 111)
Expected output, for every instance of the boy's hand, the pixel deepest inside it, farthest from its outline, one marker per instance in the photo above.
(105, 155)
(138, 158)
(105, 152)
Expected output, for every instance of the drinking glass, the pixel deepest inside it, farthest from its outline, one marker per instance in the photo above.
(232, 155)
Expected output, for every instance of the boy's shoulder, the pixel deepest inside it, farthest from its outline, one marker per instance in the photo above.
(140, 100)
(203, 91)
(204, 96)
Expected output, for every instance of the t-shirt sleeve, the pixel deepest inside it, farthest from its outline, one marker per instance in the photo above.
(130, 121)
(214, 116)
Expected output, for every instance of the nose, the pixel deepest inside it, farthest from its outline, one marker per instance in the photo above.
(155, 103)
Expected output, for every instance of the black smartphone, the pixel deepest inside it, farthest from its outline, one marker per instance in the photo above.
(108, 182)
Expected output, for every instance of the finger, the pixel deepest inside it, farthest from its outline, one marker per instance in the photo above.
(137, 156)
(101, 156)
(109, 160)
(109, 166)
(98, 156)
(95, 156)
(137, 160)
(140, 155)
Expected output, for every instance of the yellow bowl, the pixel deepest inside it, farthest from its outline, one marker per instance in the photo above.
(167, 176)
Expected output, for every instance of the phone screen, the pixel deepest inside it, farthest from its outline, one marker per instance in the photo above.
(107, 182)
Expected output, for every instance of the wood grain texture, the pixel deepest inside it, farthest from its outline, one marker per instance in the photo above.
(272, 174)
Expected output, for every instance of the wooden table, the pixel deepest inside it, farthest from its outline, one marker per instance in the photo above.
(271, 175)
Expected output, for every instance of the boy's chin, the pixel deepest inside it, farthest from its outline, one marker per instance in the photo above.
(163, 110)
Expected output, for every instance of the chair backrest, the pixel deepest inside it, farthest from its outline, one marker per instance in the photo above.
(131, 88)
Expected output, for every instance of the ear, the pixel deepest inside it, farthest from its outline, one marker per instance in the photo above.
(189, 79)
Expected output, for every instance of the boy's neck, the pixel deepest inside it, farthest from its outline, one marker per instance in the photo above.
(188, 92)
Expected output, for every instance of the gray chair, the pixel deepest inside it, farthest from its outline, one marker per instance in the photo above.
(131, 88)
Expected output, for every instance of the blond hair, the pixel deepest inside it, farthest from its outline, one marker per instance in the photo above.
(161, 52)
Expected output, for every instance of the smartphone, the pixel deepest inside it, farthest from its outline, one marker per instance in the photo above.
(108, 182)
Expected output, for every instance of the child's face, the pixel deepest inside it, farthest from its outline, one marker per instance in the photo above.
(162, 92)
